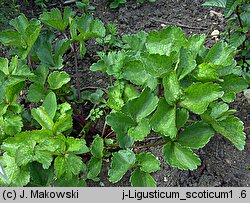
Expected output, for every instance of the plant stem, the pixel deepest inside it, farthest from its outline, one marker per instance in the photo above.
(74, 50)
(104, 128)
(77, 73)
(241, 25)
(75, 110)
(29, 61)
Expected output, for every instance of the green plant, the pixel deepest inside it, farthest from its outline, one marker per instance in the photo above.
(237, 33)
(41, 129)
(110, 41)
(41, 3)
(84, 5)
(180, 91)
(164, 83)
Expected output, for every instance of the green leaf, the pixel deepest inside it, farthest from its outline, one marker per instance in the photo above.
(134, 71)
(43, 157)
(31, 34)
(195, 43)
(135, 41)
(83, 148)
(196, 136)
(112, 63)
(13, 91)
(12, 124)
(180, 157)
(3, 108)
(11, 144)
(43, 49)
(115, 100)
(54, 144)
(186, 63)
(220, 54)
(68, 165)
(50, 104)
(57, 79)
(230, 6)
(116, 3)
(17, 176)
(20, 23)
(163, 120)
(231, 128)
(41, 72)
(11, 38)
(27, 30)
(172, 88)
(24, 154)
(43, 118)
(129, 92)
(63, 118)
(75, 144)
(54, 19)
(236, 39)
(65, 122)
(182, 116)
(218, 109)
(4, 63)
(199, 95)
(215, 3)
(2, 94)
(97, 97)
(231, 85)
(121, 162)
(160, 64)
(246, 23)
(142, 179)
(140, 131)
(67, 14)
(89, 27)
(36, 92)
(120, 123)
(142, 106)
(206, 73)
(166, 41)
(148, 162)
(39, 176)
(61, 47)
(94, 167)
(97, 147)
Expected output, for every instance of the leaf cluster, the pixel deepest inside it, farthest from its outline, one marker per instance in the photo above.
(161, 82)
(174, 79)
(237, 13)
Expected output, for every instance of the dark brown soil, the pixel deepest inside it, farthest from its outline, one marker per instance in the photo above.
(222, 164)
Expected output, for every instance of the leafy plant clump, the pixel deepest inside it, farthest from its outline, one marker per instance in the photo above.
(41, 129)
(237, 31)
(161, 82)
(176, 88)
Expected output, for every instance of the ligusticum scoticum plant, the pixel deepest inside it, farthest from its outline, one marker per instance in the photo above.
(161, 83)
(174, 87)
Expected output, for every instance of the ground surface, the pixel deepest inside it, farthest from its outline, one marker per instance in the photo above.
(222, 164)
